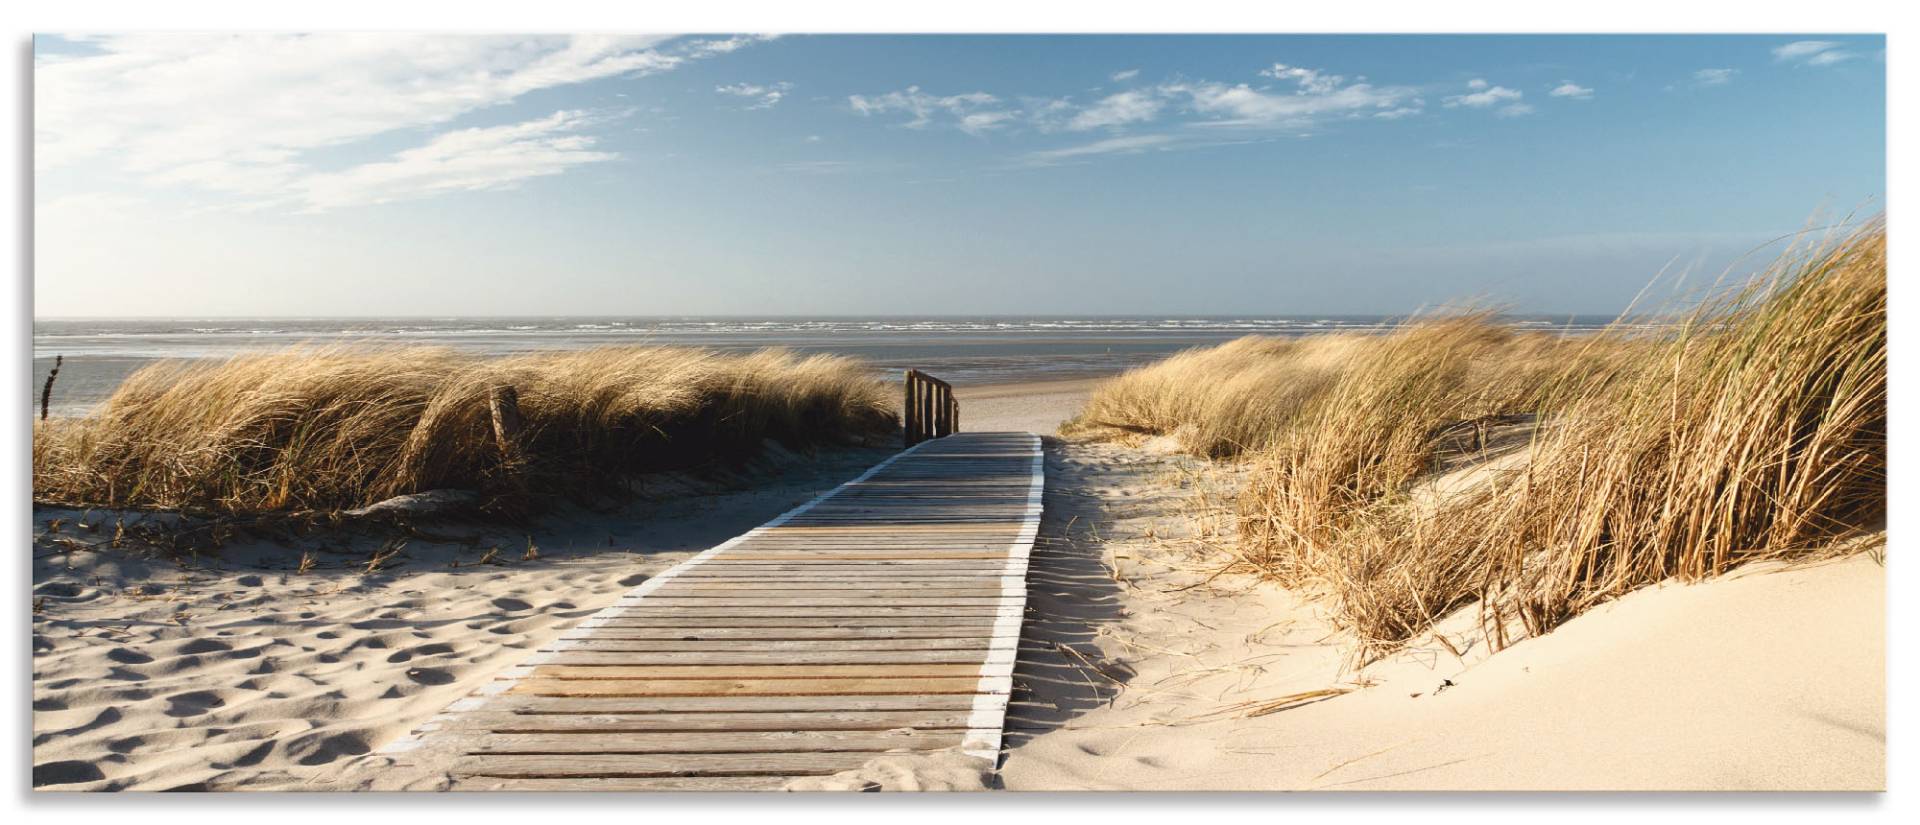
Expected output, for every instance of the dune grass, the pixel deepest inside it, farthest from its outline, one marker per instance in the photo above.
(1260, 393)
(332, 428)
(1755, 429)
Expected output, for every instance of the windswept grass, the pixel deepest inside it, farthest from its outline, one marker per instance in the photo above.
(1261, 393)
(1754, 430)
(319, 429)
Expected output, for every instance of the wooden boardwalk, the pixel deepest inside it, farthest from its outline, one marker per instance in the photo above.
(882, 616)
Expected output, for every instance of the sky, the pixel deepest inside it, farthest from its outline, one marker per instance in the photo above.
(187, 175)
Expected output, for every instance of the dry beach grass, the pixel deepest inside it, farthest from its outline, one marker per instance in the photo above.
(329, 428)
(1756, 429)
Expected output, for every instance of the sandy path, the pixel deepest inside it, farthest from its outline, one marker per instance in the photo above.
(1031, 407)
(239, 672)
(1138, 673)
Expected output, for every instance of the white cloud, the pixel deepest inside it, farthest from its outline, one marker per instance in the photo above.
(493, 157)
(244, 113)
(1486, 96)
(1316, 96)
(1714, 77)
(765, 97)
(1117, 110)
(1514, 110)
(703, 48)
(1310, 81)
(1811, 51)
(975, 123)
(1119, 145)
(1572, 90)
(967, 110)
(1122, 77)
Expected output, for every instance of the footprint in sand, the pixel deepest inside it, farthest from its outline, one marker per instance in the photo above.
(128, 656)
(435, 649)
(195, 703)
(198, 646)
(65, 773)
(321, 750)
(430, 676)
(511, 605)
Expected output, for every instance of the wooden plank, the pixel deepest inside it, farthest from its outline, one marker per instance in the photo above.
(739, 722)
(647, 765)
(664, 600)
(880, 611)
(745, 687)
(611, 643)
(705, 784)
(914, 670)
(796, 630)
(602, 657)
(801, 706)
(701, 626)
(720, 742)
(693, 588)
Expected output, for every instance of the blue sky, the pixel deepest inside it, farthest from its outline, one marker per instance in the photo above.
(193, 175)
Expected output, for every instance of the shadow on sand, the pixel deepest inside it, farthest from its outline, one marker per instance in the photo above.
(1060, 673)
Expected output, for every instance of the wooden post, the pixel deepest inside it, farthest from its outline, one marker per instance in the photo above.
(926, 411)
(907, 410)
(504, 403)
(946, 412)
(46, 392)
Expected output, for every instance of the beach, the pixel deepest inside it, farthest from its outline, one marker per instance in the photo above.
(1150, 657)
(1141, 668)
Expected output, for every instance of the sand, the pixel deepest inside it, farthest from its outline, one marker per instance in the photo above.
(1033, 407)
(1769, 679)
(237, 671)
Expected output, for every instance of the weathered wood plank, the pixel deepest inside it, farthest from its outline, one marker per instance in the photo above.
(595, 742)
(644, 765)
(745, 687)
(758, 671)
(883, 600)
(708, 784)
(637, 610)
(605, 657)
(738, 722)
(747, 707)
(618, 643)
(701, 625)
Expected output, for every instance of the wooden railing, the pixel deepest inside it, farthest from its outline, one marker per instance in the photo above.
(930, 410)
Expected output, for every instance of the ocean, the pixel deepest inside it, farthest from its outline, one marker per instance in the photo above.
(99, 353)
